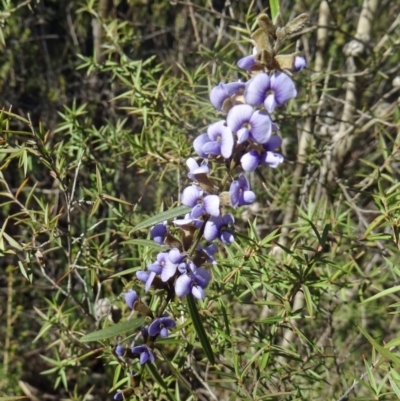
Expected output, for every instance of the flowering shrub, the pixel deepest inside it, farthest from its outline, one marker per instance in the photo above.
(171, 236)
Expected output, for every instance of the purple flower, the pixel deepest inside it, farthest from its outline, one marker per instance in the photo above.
(120, 350)
(251, 160)
(220, 227)
(130, 298)
(158, 232)
(217, 141)
(209, 251)
(194, 168)
(119, 397)
(249, 124)
(193, 197)
(247, 63)
(193, 281)
(161, 326)
(240, 193)
(162, 263)
(221, 92)
(142, 276)
(299, 64)
(174, 258)
(271, 91)
(146, 354)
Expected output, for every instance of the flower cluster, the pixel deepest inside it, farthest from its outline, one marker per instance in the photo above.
(244, 139)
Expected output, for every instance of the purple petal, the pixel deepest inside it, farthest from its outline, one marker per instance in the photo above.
(155, 268)
(158, 232)
(243, 135)
(243, 182)
(234, 193)
(142, 276)
(239, 115)
(175, 256)
(154, 327)
(119, 397)
(248, 197)
(164, 332)
(226, 143)
(130, 298)
(214, 131)
(270, 103)
(211, 229)
(212, 148)
(211, 205)
(198, 292)
(120, 350)
(144, 357)
(168, 322)
(198, 144)
(274, 142)
(149, 281)
(194, 168)
(260, 126)
(198, 211)
(246, 63)
(218, 95)
(183, 285)
(256, 90)
(168, 271)
(250, 161)
(202, 277)
(233, 88)
(227, 237)
(272, 159)
(283, 87)
(190, 196)
(299, 64)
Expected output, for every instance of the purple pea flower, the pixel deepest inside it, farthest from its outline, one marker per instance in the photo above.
(193, 281)
(247, 63)
(240, 193)
(120, 350)
(130, 298)
(146, 354)
(220, 227)
(161, 326)
(195, 168)
(118, 396)
(221, 92)
(249, 124)
(142, 276)
(271, 91)
(193, 197)
(209, 251)
(217, 141)
(251, 160)
(175, 258)
(155, 268)
(299, 64)
(158, 232)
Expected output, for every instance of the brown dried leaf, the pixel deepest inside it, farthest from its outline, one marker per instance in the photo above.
(297, 24)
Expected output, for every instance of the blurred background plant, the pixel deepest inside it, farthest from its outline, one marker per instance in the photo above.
(101, 102)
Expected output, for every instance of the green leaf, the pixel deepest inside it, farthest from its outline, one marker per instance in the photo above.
(167, 215)
(382, 350)
(114, 330)
(275, 8)
(198, 326)
(382, 294)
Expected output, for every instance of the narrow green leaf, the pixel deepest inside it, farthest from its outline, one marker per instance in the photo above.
(198, 326)
(99, 183)
(275, 8)
(114, 330)
(167, 215)
(382, 294)
(383, 351)
(307, 297)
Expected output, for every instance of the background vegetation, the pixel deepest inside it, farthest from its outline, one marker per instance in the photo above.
(101, 102)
